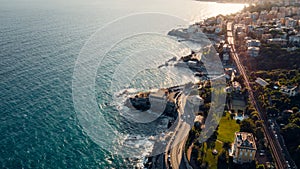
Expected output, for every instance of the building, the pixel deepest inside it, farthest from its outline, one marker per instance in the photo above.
(295, 40)
(226, 57)
(218, 29)
(229, 73)
(253, 43)
(226, 48)
(289, 90)
(236, 86)
(253, 51)
(240, 28)
(261, 82)
(243, 148)
(266, 36)
(289, 22)
(258, 31)
(277, 41)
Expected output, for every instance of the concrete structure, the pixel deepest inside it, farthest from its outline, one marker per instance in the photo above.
(243, 148)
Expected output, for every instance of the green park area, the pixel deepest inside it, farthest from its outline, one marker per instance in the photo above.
(227, 128)
(208, 156)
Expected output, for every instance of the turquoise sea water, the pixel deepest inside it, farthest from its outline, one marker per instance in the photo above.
(39, 44)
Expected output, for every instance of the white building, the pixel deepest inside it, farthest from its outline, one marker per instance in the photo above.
(289, 90)
(243, 148)
(261, 82)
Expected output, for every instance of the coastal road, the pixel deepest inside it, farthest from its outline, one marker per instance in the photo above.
(273, 142)
(177, 142)
(178, 151)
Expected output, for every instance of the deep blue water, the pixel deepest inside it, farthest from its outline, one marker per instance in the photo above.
(39, 44)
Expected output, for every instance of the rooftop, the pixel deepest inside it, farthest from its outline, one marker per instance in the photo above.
(245, 140)
(288, 87)
(261, 82)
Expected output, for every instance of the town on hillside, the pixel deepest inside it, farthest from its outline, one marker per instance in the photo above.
(259, 48)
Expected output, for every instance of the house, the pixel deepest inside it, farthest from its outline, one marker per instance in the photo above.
(236, 86)
(253, 51)
(240, 28)
(266, 36)
(229, 73)
(226, 48)
(226, 56)
(259, 31)
(238, 103)
(218, 29)
(261, 82)
(289, 90)
(243, 148)
(241, 35)
(277, 41)
(220, 19)
(295, 40)
(253, 43)
(249, 28)
(289, 22)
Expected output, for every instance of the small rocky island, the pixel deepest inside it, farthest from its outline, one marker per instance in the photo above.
(161, 101)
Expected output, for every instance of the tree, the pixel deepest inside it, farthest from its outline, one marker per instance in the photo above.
(295, 109)
(259, 123)
(261, 166)
(296, 121)
(247, 125)
(292, 133)
(250, 110)
(226, 145)
(259, 133)
(272, 111)
(254, 115)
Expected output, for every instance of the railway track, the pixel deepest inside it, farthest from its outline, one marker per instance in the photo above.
(271, 140)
